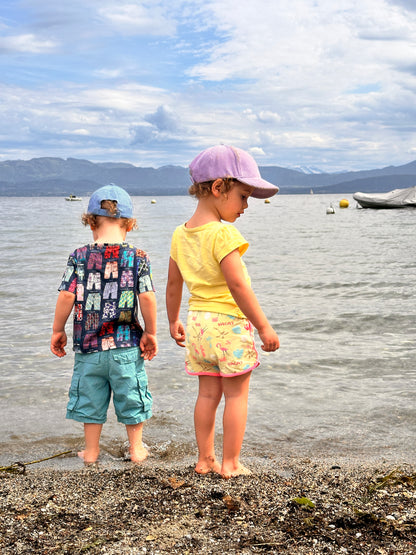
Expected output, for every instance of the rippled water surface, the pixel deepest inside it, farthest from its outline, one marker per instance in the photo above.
(339, 290)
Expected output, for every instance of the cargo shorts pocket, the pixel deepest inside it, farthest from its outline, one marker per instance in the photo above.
(145, 395)
(73, 393)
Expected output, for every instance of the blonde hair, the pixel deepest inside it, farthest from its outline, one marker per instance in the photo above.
(204, 189)
(111, 206)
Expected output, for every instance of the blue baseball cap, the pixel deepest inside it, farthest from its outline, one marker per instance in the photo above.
(115, 193)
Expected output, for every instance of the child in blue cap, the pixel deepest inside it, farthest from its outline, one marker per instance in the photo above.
(206, 255)
(105, 284)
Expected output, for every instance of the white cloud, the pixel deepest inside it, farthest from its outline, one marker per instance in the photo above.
(26, 43)
(84, 132)
(297, 82)
(299, 61)
(137, 19)
(256, 151)
(59, 122)
(263, 116)
(300, 41)
(107, 73)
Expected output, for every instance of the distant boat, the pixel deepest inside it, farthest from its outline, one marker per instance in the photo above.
(73, 197)
(398, 198)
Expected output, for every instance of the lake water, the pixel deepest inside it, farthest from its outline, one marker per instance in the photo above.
(339, 290)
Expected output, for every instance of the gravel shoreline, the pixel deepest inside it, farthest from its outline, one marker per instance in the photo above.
(292, 506)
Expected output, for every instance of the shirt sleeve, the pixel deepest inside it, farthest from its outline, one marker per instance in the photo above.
(227, 240)
(144, 274)
(173, 246)
(69, 279)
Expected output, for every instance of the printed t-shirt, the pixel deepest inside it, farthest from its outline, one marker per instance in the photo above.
(198, 253)
(105, 280)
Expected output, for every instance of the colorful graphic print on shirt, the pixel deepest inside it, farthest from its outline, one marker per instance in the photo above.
(105, 280)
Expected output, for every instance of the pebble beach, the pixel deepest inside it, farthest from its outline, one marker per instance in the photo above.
(297, 506)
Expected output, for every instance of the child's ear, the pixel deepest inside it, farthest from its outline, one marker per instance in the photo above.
(216, 187)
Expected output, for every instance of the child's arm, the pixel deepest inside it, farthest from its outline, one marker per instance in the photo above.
(173, 303)
(148, 341)
(247, 301)
(64, 306)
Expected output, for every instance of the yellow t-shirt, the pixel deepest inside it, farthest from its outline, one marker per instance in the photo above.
(198, 252)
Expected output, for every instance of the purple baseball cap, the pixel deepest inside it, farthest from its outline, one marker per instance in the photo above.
(229, 161)
(111, 192)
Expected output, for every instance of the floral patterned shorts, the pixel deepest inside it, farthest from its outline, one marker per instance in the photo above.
(219, 345)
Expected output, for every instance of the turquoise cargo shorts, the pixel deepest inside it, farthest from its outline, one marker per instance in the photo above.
(97, 375)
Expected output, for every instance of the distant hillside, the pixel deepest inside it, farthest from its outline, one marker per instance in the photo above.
(59, 177)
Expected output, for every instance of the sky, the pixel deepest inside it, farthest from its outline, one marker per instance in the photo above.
(329, 84)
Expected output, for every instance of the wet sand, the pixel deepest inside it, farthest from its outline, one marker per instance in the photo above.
(290, 505)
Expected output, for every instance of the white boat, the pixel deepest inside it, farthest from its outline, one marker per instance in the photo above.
(398, 198)
(73, 197)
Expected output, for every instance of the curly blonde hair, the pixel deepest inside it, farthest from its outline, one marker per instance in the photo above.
(203, 189)
(111, 206)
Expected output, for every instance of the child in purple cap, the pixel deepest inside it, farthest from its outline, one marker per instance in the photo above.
(206, 255)
(107, 281)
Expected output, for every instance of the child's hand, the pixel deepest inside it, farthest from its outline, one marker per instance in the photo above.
(177, 332)
(58, 342)
(269, 338)
(148, 345)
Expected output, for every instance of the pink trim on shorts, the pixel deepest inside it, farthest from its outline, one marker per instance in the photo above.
(219, 375)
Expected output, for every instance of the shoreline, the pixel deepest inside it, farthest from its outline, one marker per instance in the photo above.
(288, 505)
(61, 452)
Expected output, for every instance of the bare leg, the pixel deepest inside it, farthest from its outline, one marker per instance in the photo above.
(92, 433)
(234, 423)
(138, 451)
(209, 396)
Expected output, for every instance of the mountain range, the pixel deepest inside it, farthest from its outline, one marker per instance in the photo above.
(60, 177)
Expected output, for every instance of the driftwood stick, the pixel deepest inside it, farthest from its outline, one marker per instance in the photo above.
(20, 467)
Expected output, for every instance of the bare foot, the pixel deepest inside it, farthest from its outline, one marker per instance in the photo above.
(138, 454)
(239, 471)
(206, 466)
(88, 458)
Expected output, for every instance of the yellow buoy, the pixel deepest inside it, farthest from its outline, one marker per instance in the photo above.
(267, 201)
(343, 203)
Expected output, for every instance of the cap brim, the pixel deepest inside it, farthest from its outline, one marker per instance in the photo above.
(262, 188)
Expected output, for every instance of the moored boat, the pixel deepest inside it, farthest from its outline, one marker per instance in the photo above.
(73, 197)
(398, 198)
